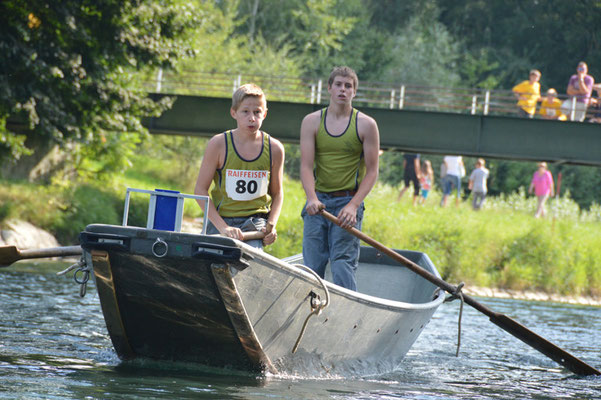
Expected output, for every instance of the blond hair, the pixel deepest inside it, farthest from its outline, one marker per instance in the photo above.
(481, 162)
(347, 72)
(247, 90)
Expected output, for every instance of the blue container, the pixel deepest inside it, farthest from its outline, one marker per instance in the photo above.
(164, 213)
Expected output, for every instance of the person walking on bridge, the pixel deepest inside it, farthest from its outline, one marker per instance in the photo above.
(339, 167)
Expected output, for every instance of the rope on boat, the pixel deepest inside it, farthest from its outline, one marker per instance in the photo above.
(80, 267)
(316, 303)
(457, 294)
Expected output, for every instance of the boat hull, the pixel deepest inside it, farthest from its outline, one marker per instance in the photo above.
(216, 301)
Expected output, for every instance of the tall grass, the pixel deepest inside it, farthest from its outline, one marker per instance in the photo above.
(501, 246)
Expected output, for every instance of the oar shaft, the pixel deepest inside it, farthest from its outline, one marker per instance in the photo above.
(509, 325)
(50, 252)
(254, 235)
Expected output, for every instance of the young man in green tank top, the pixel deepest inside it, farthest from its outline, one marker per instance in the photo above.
(339, 167)
(246, 167)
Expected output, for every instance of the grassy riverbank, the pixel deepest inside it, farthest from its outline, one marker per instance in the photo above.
(502, 246)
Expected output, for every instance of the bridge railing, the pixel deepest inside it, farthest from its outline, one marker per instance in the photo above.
(373, 94)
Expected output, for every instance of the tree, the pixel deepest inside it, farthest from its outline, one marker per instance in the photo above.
(312, 31)
(518, 35)
(66, 69)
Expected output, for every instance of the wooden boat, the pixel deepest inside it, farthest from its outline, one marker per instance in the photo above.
(209, 299)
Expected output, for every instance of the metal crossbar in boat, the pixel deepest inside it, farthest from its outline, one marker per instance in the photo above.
(165, 209)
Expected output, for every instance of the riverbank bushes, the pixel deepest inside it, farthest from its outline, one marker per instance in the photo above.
(501, 246)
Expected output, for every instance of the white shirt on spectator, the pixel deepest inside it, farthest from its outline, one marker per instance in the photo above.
(453, 165)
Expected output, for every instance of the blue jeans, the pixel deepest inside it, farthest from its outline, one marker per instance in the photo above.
(449, 183)
(325, 241)
(246, 224)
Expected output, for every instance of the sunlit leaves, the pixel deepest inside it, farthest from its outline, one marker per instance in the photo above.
(66, 68)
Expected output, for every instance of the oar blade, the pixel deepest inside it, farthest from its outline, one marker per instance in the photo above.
(539, 343)
(8, 255)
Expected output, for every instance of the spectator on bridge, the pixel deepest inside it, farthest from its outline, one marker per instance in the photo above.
(596, 105)
(542, 186)
(455, 170)
(477, 184)
(412, 173)
(426, 181)
(580, 87)
(550, 107)
(528, 94)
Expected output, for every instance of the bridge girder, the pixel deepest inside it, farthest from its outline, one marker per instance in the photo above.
(428, 132)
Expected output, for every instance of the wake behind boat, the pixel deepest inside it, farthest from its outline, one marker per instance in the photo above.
(214, 300)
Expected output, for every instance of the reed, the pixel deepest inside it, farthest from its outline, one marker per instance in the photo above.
(501, 246)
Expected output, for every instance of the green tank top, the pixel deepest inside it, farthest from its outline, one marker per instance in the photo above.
(339, 162)
(241, 186)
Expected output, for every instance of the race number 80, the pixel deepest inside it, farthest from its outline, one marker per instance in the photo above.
(244, 185)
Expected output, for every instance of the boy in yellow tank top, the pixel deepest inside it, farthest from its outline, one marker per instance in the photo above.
(339, 167)
(246, 167)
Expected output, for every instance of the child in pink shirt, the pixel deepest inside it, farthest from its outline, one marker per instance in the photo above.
(542, 186)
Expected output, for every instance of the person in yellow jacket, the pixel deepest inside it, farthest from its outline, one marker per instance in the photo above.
(528, 94)
(246, 166)
(550, 107)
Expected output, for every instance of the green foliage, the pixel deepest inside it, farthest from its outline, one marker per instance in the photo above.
(88, 205)
(476, 70)
(391, 167)
(502, 245)
(292, 160)
(5, 210)
(433, 52)
(66, 67)
(311, 31)
(552, 36)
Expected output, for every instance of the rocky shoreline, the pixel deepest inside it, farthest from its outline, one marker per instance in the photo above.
(531, 296)
(24, 235)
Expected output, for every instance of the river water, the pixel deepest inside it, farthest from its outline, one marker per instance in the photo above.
(54, 345)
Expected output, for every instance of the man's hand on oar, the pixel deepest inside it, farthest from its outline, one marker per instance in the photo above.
(511, 326)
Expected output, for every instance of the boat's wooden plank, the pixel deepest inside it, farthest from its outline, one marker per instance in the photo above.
(105, 285)
(239, 318)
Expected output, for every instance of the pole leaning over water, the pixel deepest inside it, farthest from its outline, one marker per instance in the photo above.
(506, 323)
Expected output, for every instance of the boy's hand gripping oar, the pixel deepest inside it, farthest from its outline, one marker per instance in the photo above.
(539, 343)
(10, 254)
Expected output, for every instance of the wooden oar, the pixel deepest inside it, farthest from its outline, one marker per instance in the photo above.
(516, 329)
(254, 235)
(10, 254)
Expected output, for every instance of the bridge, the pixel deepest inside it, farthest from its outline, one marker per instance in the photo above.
(427, 120)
